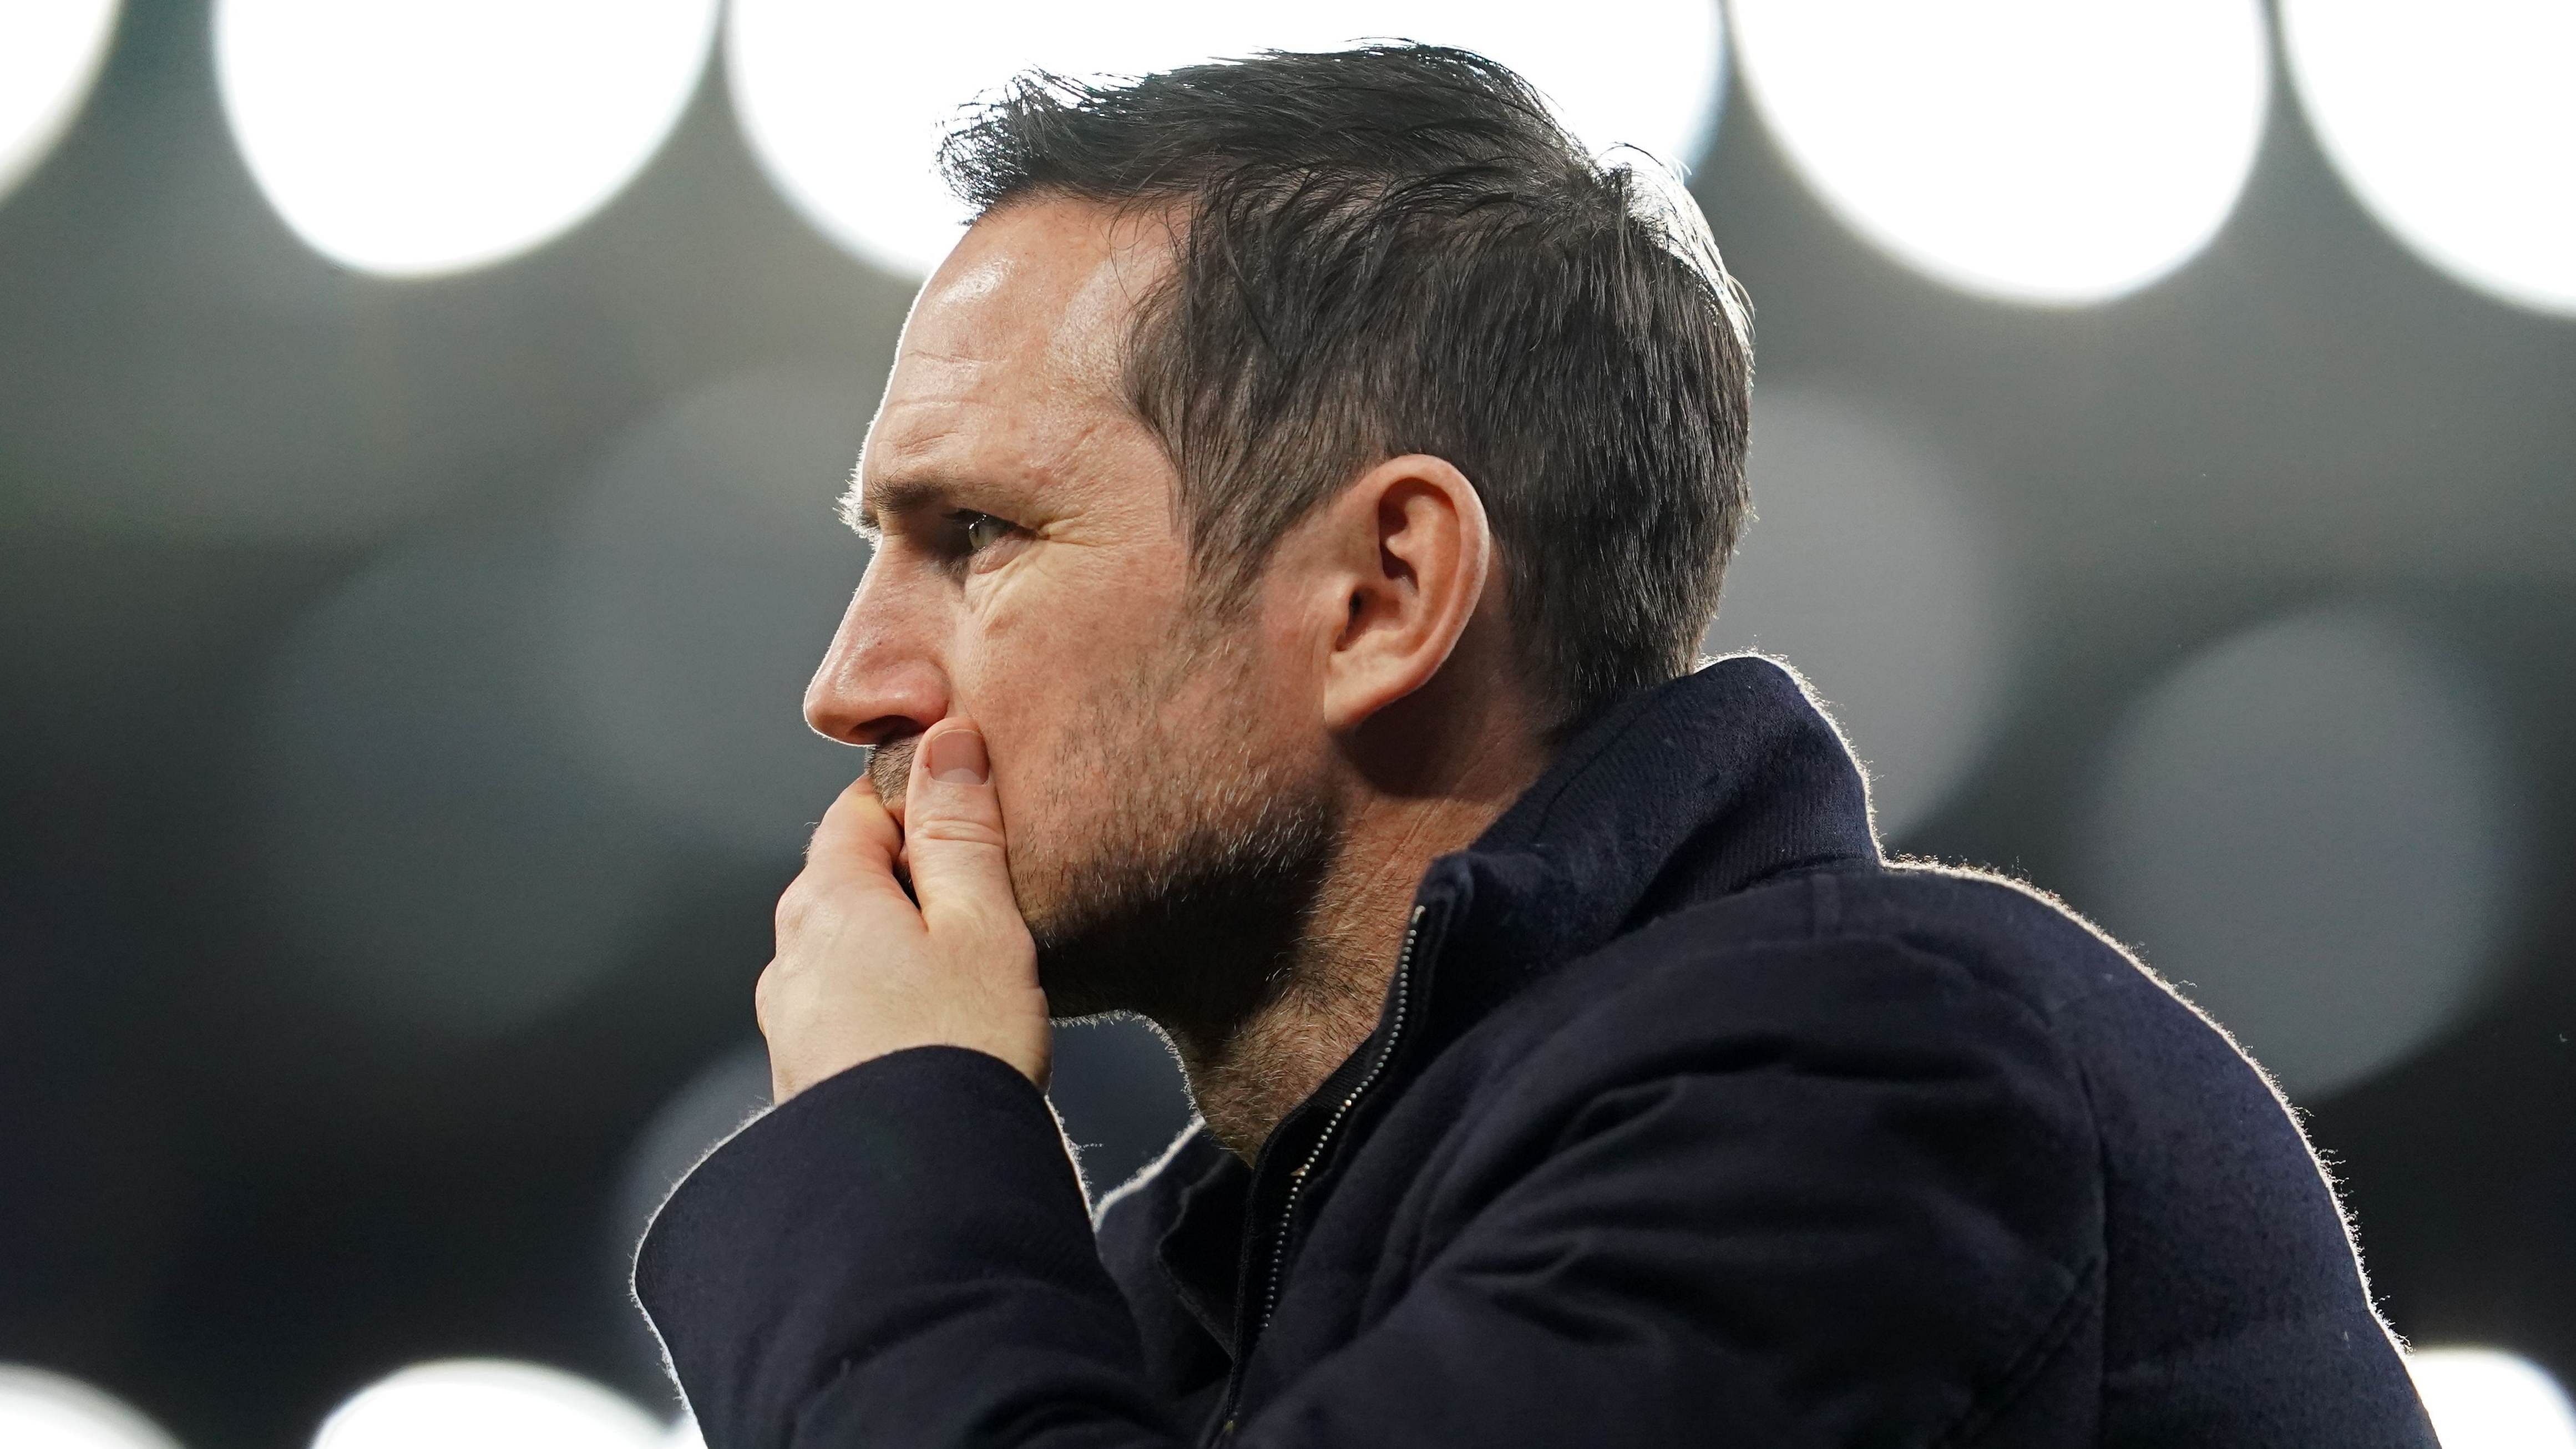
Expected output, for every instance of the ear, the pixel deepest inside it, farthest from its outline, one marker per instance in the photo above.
(1407, 549)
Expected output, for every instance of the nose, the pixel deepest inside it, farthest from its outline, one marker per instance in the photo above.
(876, 684)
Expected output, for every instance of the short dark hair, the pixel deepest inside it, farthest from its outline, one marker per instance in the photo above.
(1400, 249)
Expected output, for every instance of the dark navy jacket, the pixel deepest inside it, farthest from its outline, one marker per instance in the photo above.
(1689, 1121)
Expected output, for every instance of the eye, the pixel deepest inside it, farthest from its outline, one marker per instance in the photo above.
(983, 530)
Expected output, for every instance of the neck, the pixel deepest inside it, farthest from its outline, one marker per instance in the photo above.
(1334, 986)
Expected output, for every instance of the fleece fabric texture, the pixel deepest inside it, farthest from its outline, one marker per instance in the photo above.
(1690, 1120)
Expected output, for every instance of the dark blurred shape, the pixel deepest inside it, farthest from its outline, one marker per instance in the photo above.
(1874, 570)
(2307, 826)
(1118, 1088)
(443, 858)
(699, 574)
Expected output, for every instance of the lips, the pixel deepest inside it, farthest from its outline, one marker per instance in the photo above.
(890, 768)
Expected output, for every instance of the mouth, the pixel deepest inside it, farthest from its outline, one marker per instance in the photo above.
(889, 768)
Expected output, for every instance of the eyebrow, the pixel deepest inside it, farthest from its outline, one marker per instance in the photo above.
(864, 508)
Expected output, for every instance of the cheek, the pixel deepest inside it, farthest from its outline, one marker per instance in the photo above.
(1037, 659)
(1048, 629)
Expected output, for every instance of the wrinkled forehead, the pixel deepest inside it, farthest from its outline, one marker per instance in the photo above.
(1031, 313)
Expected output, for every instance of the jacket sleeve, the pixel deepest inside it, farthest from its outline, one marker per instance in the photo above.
(1855, 1215)
(900, 1255)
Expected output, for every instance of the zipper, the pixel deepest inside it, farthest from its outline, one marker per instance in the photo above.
(1399, 1004)
(1324, 1140)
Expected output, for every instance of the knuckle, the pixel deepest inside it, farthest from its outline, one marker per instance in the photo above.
(984, 925)
(794, 903)
(958, 830)
(807, 902)
(856, 796)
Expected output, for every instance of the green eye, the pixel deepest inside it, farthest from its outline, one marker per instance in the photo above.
(983, 530)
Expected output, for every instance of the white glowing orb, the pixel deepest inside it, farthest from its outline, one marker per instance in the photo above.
(2484, 1398)
(2455, 123)
(40, 1410)
(411, 137)
(488, 1404)
(2031, 150)
(844, 104)
(50, 52)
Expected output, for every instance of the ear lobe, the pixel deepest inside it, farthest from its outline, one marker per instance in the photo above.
(1418, 549)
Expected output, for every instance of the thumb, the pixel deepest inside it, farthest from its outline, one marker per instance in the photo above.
(953, 840)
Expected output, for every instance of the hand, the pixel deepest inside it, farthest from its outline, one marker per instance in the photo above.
(862, 971)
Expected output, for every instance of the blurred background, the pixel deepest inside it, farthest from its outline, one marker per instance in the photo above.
(418, 426)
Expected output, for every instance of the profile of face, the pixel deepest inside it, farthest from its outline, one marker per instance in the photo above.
(1163, 768)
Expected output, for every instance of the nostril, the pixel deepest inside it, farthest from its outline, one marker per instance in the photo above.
(889, 729)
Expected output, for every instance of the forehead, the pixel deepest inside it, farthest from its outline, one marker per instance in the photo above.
(1017, 341)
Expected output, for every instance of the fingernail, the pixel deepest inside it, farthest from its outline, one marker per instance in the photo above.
(957, 758)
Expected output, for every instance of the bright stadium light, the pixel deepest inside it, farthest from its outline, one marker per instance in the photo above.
(2455, 124)
(41, 1410)
(2029, 150)
(843, 103)
(49, 54)
(488, 1404)
(411, 138)
(2485, 1398)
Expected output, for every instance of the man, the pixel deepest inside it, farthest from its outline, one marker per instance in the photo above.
(1296, 505)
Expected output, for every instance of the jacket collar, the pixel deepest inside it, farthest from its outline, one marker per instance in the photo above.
(1701, 788)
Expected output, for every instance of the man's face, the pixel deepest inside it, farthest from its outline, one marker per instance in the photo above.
(1161, 770)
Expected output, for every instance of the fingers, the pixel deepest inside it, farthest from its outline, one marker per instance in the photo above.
(861, 970)
(857, 842)
(953, 838)
(857, 825)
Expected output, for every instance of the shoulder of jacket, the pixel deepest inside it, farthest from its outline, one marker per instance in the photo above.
(1820, 963)
(2003, 933)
